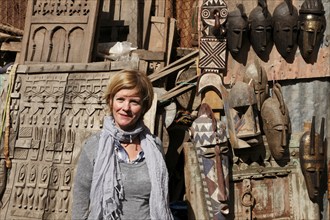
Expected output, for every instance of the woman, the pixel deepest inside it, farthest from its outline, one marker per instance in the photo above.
(121, 172)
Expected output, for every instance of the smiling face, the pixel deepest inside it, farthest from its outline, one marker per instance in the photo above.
(126, 108)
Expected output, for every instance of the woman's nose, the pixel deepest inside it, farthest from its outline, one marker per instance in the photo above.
(126, 106)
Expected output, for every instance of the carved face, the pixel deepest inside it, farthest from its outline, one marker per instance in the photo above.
(312, 162)
(261, 31)
(276, 125)
(237, 27)
(312, 27)
(277, 137)
(285, 29)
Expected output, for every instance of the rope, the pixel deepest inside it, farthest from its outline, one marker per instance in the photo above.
(6, 115)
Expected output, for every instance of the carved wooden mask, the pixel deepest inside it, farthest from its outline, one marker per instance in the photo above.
(312, 153)
(237, 30)
(285, 18)
(276, 123)
(312, 26)
(261, 28)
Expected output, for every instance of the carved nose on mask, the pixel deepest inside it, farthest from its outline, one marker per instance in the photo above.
(283, 141)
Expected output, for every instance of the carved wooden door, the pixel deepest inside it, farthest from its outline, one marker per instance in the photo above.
(59, 31)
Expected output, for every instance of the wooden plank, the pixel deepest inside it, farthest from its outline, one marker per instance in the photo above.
(184, 59)
(11, 46)
(75, 67)
(193, 183)
(158, 34)
(180, 89)
(146, 21)
(150, 116)
(172, 70)
(171, 33)
(149, 55)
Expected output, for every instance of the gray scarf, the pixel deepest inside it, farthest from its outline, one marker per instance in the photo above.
(107, 188)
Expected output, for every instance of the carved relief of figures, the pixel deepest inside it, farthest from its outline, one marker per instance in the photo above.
(31, 185)
(42, 188)
(65, 190)
(52, 189)
(19, 187)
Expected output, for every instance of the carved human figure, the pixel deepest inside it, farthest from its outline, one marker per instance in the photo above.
(276, 123)
(261, 30)
(19, 185)
(312, 154)
(65, 188)
(31, 185)
(237, 30)
(285, 19)
(312, 26)
(43, 184)
(53, 187)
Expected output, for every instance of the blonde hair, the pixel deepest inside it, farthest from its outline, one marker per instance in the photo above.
(130, 79)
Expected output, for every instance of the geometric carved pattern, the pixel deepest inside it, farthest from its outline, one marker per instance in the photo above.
(212, 54)
(53, 113)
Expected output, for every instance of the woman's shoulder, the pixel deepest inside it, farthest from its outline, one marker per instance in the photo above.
(91, 144)
(158, 143)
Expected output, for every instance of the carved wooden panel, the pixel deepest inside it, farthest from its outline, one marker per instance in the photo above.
(52, 115)
(59, 31)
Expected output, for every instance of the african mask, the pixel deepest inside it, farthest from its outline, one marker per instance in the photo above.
(312, 154)
(256, 76)
(311, 28)
(243, 121)
(276, 123)
(213, 15)
(261, 29)
(285, 36)
(237, 30)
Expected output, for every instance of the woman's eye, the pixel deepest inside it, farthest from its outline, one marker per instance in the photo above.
(135, 102)
(119, 99)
